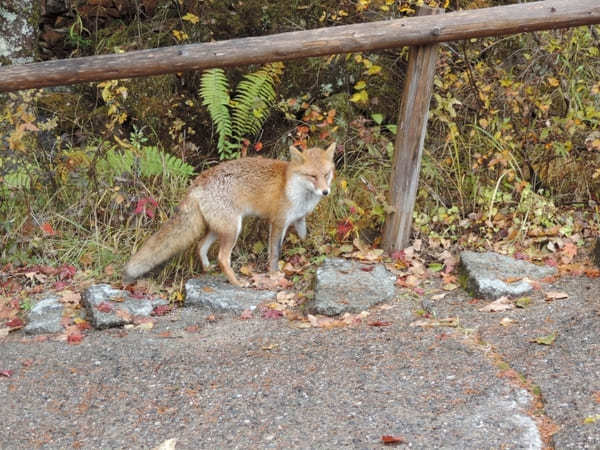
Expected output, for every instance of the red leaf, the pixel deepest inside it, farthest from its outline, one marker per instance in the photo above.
(192, 328)
(15, 323)
(246, 314)
(161, 310)
(104, 307)
(47, 229)
(84, 325)
(393, 440)
(147, 206)
(367, 268)
(60, 285)
(258, 146)
(74, 338)
(66, 272)
(6, 373)
(272, 314)
(379, 323)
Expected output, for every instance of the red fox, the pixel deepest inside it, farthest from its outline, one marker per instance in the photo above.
(219, 198)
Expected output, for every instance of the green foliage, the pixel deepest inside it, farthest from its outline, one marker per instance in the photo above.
(214, 90)
(246, 113)
(145, 160)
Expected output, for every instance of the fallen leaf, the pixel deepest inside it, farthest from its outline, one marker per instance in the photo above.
(523, 302)
(450, 286)
(169, 444)
(545, 340)
(123, 314)
(246, 314)
(379, 323)
(145, 326)
(502, 304)
(272, 314)
(15, 324)
(386, 439)
(6, 373)
(192, 328)
(270, 347)
(104, 307)
(591, 419)
(161, 310)
(507, 321)
(427, 323)
(555, 295)
(439, 296)
(74, 338)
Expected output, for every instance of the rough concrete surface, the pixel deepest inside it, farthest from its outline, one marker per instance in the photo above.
(491, 275)
(265, 383)
(219, 295)
(45, 316)
(344, 285)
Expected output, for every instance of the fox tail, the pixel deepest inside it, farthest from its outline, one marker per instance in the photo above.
(177, 234)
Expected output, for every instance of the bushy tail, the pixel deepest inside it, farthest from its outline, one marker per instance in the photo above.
(177, 234)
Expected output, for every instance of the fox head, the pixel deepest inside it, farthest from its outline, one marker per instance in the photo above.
(314, 167)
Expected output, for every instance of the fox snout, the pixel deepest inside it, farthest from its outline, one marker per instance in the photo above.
(325, 192)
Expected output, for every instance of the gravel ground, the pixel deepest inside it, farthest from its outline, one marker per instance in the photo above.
(262, 383)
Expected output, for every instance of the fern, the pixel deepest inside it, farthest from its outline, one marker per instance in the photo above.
(246, 114)
(252, 103)
(151, 161)
(157, 162)
(214, 90)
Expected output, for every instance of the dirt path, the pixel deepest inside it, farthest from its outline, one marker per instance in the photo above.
(262, 383)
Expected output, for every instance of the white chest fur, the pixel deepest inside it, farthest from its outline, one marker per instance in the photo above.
(302, 197)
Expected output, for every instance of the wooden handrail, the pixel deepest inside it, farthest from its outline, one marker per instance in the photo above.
(500, 20)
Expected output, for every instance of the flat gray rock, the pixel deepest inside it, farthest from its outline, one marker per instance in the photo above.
(108, 307)
(343, 286)
(487, 274)
(219, 295)
(45, 316)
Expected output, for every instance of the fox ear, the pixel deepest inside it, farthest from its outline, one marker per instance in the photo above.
(296, 155)
(330, 151)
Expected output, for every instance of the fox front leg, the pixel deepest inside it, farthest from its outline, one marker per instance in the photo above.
(276, 235)
(300, 227)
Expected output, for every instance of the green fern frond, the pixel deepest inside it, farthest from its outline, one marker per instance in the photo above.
(151, 162)
(252, 103)
(154, 161)
(214, 90)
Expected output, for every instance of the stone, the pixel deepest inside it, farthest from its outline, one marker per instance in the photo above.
(350, 286)
(219, 295)
(120, 307)
(45, 316)
(489, 274)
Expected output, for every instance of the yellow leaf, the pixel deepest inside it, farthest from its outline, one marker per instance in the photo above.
(344, 185)
(189, 17)
(360, 85)
(323, 17)
(374, 70)
(552, 81)
(360, 97)
(483, 123)
(180, 35)
(342, 13)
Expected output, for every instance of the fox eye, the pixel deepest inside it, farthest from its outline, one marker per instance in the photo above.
(312, 177)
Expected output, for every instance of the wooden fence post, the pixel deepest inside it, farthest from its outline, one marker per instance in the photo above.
(412, 126)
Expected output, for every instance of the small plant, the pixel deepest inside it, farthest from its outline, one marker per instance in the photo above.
(245, 113)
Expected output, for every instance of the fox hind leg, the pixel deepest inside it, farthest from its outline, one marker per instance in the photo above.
(203, 247)
(227, 241)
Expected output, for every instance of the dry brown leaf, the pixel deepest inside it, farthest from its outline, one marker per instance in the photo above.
(555, 295)
(502, 304)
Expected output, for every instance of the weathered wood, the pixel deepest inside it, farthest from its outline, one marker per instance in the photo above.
(412, 126)
(421, 30)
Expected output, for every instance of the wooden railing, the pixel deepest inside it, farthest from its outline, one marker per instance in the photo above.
(422, 33)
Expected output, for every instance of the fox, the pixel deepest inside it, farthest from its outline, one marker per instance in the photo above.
(282, 192)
